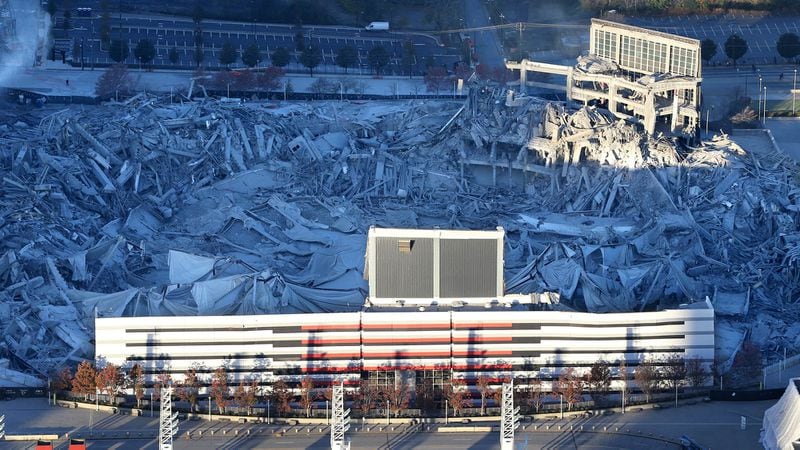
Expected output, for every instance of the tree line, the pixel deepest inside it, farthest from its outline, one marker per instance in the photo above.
(393, 394)
(680, 7)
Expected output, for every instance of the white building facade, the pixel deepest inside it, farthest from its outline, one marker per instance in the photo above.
(350, 346)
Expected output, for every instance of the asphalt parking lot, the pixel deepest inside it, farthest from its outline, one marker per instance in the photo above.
(715, 424)
(761, 33)
(179, 33)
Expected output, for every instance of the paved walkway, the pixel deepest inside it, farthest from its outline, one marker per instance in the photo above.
(715, 424)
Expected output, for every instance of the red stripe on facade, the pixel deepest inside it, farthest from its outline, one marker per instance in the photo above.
(337, 326)
(482, 325)
(482, 353)
(330, 341)
(330, 356)
(483, 339)
(406, 326)
(438, 367)
(405, 354)
(407, 340)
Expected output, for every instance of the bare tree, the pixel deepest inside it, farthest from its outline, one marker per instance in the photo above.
(599, 379)
(485, 390)
(282, 397)
(62, 381)
(189, 388)
(307, 394)
(397, 394)
(457, 395)
(114, 82)
(674, 371)
(367, 396)
(219, 388)
(245, 395)
(136, 375)
(646, 376)
(569, 386)
(535, 395)
(696, 372)
(425, 395)
(747, 364)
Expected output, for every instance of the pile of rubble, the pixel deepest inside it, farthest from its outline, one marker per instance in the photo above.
(217, 207)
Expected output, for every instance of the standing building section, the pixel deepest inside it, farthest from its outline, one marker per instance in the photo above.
(432, 338)
(641, 75)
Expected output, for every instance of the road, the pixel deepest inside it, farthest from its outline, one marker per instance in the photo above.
(714, 424)
(168, 32)
(487, 43)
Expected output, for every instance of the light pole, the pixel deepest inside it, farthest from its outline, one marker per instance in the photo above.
(446, 407)
(707, 112)
(759, 96)
(794, 93)
(765, 106)
(96, 399)
(327, 417)
(209, 408)
(268, 420)
(561, 404)
(151, 403)
(676, 393)
(387, 412)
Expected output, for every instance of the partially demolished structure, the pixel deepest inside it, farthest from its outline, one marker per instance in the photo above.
(147, 208)
(640, 75)
(436, 310)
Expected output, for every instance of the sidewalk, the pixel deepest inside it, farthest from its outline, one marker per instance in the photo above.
(52, 80)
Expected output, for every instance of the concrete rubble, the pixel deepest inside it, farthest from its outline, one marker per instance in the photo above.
(217, 207)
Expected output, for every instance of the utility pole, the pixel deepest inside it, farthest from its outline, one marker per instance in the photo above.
(676, 393)
(794, 92)
(765, 106)
(759, 97)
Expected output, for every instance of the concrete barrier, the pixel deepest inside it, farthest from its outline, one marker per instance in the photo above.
(31, 437)
(483, 429)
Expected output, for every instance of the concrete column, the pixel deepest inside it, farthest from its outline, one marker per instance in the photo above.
(612, 97)
(649, 113)
(675, 110)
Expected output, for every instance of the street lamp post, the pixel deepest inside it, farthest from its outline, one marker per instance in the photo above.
(707, 113)
(765, 106)
(561, 404)
(209, 408)
(794, 93)
(387, 412)
(676, 394)
(759, 96)
(446, 407)
(151, 403)
(327, 417)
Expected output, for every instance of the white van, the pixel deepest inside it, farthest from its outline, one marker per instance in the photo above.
(377, 26)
